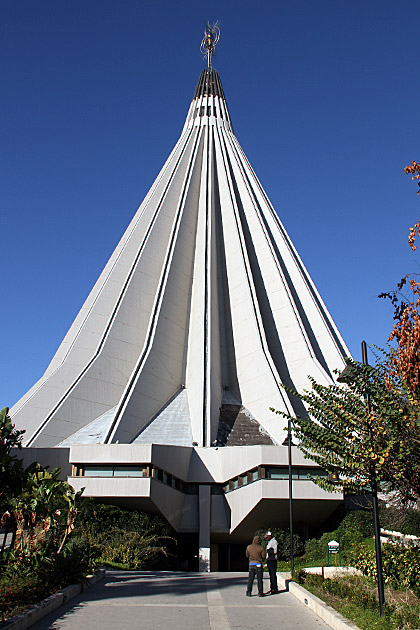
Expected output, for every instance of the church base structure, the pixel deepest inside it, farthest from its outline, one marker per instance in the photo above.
(215, 499)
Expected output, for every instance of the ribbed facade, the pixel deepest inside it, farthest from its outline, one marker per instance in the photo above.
(200, 316)
(209, 84)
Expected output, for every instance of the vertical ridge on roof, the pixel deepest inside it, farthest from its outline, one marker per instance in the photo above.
(209, 83)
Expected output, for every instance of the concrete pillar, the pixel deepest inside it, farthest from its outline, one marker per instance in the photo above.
(204, 512)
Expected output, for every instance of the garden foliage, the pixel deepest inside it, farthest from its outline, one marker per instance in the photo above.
(283, 543)
(34, 502)
(351, 533)
(11, 469)
(128, 538)
(40, 509)
(401, 565)
(355, 597)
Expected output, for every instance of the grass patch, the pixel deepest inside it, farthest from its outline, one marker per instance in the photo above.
(355, 597)
(118, 565)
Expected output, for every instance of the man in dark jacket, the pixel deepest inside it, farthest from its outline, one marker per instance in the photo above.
(256, 556)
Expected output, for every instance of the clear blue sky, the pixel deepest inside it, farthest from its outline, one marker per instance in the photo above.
(324, 99)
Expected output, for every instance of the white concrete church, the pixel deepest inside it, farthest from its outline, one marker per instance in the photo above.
(159, 395)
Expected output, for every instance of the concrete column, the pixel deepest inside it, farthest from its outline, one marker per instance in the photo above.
(204, 512)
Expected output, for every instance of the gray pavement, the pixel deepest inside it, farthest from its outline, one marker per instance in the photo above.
(135, 600)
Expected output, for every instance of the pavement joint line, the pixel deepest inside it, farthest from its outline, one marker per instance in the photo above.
(217, 614)
(133, 605)
(158, 605)
(282, 606)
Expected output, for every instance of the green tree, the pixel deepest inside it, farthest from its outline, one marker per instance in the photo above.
(42, 507)
(350, 439)
(44, 511)
(11, 468)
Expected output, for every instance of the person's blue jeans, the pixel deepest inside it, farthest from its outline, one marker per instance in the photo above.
(255, 571)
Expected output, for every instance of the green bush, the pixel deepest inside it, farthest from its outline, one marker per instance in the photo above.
(77, 560)
(129, 538)
(103, 517)
(27, 580)
(133, 550)
(299, 576)
(350, 533)
(404, 616)
(401, 565)
(356, 597)
(352, 592)
(314, 579)
(360, 521)
(316, 548)
(20, 591)
(283, 543)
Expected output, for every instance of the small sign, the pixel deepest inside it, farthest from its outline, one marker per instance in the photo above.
(333, 547)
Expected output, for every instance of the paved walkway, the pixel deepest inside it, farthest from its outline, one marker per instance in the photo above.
(135, 600)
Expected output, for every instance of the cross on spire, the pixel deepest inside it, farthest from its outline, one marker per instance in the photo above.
(210, 39)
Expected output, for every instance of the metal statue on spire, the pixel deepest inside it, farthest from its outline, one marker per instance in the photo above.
(210, 39)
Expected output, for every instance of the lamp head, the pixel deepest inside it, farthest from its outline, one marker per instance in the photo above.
(288, 439)
(347, 374)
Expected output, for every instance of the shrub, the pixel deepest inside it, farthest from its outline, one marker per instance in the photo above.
(283, 543)
(299, 576)
(130, 538)
(404, 616)
(19, 591)
(102, 517)
(133, 549)
(350, 533)
(401, 565)
(360, 521)
(358, 595)
(77, 560)
(316, 548)
(314, 579)
(351, 591)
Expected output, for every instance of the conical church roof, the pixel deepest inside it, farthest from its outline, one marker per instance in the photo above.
(201, 314)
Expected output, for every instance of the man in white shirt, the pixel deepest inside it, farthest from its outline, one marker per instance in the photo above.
(271, 550)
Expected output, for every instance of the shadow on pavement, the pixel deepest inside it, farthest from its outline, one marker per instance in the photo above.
(119, 585)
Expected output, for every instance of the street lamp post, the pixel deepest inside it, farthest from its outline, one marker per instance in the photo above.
(344, 377)
(288, 442)
(374, 489)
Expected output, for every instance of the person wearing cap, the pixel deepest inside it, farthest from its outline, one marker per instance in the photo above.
(271, 551)
(256, 556)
